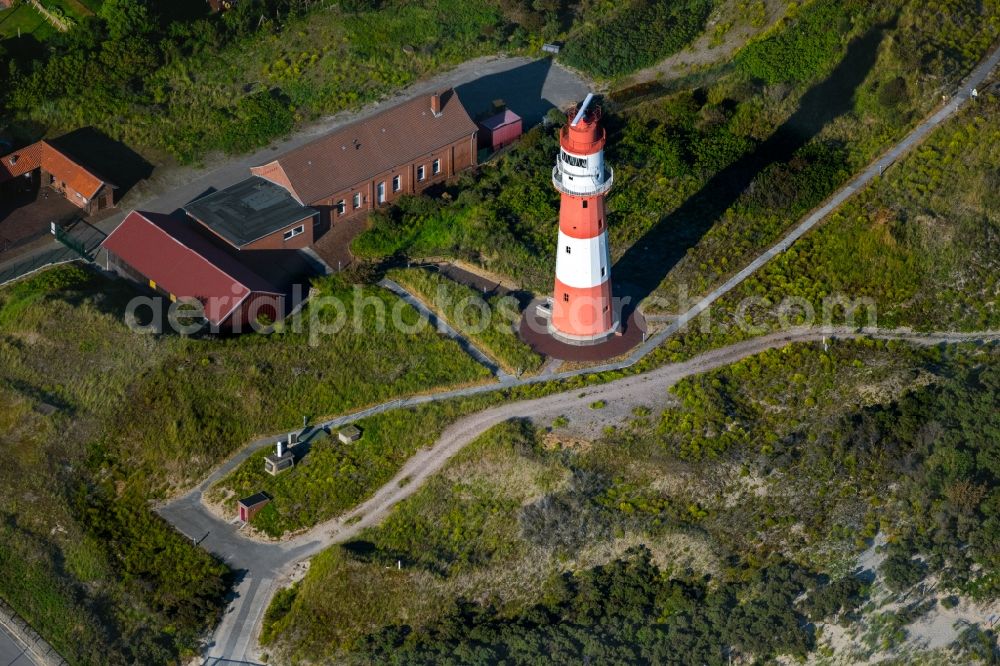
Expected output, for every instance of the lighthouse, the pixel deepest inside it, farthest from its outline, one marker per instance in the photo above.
(583, 312)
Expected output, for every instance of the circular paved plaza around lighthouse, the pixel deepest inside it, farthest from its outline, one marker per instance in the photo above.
(534, 330)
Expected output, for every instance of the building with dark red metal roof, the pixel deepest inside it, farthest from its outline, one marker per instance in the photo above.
(401, 150)
(172, 257)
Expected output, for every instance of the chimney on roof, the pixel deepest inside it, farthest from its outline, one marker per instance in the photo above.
(13, 160)
(436, 104)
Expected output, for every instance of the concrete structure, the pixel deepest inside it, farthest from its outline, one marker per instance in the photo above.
(582, 308)
(280, 460)
(402, 150)
(172, 257)
(348, 434)
(255, 214)
(249, 507)
(43, 165)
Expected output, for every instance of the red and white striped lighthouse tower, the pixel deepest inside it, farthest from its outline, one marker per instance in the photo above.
(582, 309)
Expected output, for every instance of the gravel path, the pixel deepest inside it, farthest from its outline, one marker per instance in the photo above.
(273, 564)
(269, 566)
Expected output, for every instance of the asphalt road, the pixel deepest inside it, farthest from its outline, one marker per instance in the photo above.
(11, 651)
(529, 86)
(266, 566)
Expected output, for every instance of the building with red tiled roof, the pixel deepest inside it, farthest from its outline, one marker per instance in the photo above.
(171, 256)
(401, 150)
(61, 172)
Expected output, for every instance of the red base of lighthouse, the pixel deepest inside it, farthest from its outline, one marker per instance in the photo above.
(583, 315)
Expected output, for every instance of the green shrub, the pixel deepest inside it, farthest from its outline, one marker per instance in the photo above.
(803, 48)
(257, 120)
(637, 35)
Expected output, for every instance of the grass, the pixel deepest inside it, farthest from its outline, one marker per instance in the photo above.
(489, 323)
(704, 180)
(25, 19)
(333, 477)
(510, 511)
(325, 61)
(138, 416)
(917, 244)
(443, 535)
(31, 22)
(918, 241)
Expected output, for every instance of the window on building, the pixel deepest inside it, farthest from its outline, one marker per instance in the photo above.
(436, 167)
(565, 297)
(568, 250)
(600, 224)
(397, 183)
(357, 199)
(292, 233)
(573, 161)
(381, 192)
(584, 203)
(341, 207)
(602, 271)
(420, 172)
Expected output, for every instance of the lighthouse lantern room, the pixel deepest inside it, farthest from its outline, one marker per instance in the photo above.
(583, 311)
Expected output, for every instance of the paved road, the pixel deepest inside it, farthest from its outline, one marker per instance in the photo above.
(534, 85)
(268, 566)
(12, 652)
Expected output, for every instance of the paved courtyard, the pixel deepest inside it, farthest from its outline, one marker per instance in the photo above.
(26, 216)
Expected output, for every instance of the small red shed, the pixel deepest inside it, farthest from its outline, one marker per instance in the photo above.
(500, 130)
(250, 506)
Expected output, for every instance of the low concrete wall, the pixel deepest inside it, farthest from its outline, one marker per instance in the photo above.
(38, 648)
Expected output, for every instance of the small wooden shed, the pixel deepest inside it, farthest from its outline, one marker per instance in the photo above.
(251, 506)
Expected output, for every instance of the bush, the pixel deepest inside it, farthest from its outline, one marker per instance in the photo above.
(567, 520)
(901, 571)
(257, 120)
(803, 48)
(844, 594)
(638, 35)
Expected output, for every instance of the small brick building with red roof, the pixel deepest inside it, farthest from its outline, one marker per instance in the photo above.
(62, 173)
(171, 256)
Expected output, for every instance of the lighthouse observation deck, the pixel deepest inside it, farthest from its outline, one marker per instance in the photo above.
(582, 185)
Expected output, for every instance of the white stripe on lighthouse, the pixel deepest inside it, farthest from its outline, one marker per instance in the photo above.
(586, 264)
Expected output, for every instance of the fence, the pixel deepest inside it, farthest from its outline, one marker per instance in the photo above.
(59, 255)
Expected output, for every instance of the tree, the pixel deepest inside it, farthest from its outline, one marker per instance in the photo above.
(127, 17)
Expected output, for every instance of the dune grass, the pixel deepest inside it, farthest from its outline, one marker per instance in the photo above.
(489, 322)
(97, 420)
